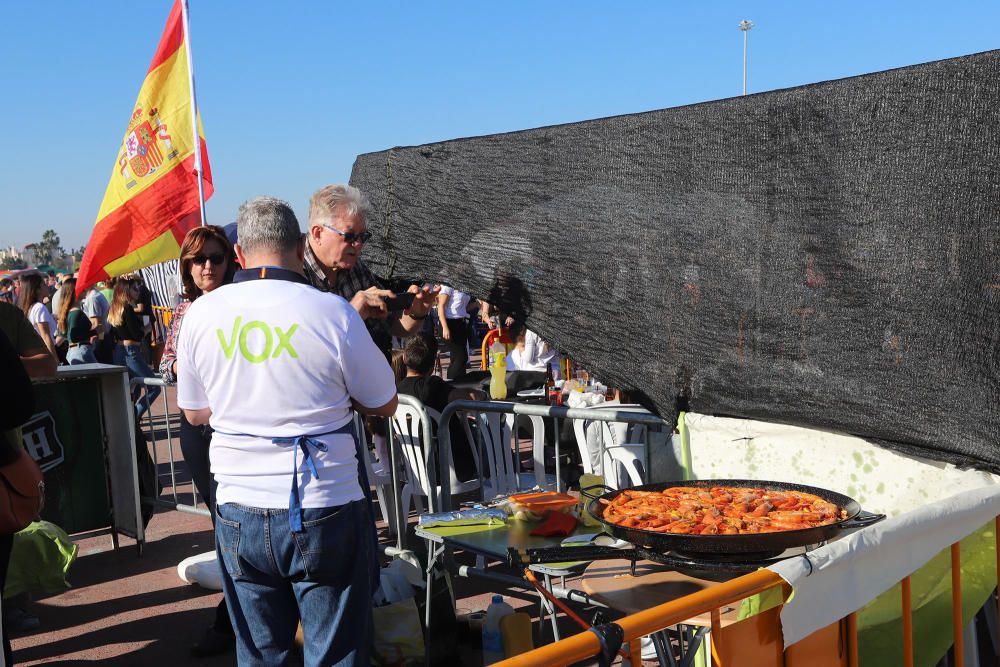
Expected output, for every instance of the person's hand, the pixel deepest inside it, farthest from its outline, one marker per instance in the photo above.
(424, 300)
(445, 331)
(371, 302)
(509, 321)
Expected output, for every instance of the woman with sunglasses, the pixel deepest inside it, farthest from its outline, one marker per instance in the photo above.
(128, 329)
(207, 262)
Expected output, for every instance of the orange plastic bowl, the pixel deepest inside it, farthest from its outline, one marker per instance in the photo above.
(543, 501)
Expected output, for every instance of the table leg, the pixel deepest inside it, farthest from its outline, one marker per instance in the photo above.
(664, 653)
(696, 650)
(431, 559)
(555, 619)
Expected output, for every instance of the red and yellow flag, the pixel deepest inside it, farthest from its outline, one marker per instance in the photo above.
(152, 198)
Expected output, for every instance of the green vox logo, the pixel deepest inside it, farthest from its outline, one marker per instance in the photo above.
(275, 341)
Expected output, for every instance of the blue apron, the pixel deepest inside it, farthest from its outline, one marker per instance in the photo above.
(307, 443)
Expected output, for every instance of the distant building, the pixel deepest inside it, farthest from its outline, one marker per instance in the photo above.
(28, 254)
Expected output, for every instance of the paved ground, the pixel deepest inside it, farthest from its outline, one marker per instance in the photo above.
(125, 609)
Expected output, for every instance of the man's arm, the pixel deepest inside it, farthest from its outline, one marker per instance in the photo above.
(442, 301)
(371, 302)
(16, 395)
(39, 363)
(387, 410)
(35, 357)
(198, 417)
(413, 318)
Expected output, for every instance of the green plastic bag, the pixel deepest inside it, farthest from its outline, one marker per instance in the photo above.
(40, 560)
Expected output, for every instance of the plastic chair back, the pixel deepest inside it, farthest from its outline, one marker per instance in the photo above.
(496, 437)
(407, 429)
(610, 433)
(623, 465)
(408, 432)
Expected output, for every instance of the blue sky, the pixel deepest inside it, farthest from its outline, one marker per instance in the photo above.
(290, 92)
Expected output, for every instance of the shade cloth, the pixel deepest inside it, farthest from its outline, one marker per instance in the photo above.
(822, 255)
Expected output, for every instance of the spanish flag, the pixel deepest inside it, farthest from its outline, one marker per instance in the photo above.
(152, 199)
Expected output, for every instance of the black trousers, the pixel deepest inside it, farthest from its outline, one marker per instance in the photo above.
(457, 348)
(194, 446)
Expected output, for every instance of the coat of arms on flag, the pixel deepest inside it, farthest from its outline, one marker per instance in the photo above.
(142, 152)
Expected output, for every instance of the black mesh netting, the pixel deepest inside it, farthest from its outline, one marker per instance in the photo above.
(821, 255)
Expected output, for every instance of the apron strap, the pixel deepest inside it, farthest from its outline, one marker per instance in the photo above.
(303, 442)
(306, 443)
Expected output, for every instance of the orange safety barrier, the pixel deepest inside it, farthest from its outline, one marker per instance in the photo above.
(585, 645)
(757, 640)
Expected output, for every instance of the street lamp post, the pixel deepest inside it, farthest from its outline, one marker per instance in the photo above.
(745, 27)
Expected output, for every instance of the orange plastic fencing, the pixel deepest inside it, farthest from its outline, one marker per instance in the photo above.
(756, 640)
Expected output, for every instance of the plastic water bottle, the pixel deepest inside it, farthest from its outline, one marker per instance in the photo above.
(492, 637)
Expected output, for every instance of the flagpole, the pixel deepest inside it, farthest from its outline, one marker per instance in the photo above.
(194, 112)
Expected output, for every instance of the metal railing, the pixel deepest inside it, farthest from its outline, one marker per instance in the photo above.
(609, 414)
(149, 426)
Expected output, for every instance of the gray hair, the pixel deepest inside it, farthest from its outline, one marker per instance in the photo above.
(267, 223)
(338, 199)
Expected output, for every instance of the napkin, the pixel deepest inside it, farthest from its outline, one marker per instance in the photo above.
(556, 523)
(583, 399)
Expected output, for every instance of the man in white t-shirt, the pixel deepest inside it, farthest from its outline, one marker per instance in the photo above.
(96, 307)
(453, 313)
(275, 366)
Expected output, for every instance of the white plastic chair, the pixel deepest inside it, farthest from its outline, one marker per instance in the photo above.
(498, 444)
(542, 480)
(610, 433)
(382, 481)
(406, 428)
(623, 465)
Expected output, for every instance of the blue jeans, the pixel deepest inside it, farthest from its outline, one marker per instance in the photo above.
(81, 354)
(130, 356)
(273, 578)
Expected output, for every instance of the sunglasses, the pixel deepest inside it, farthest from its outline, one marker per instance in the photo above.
(216, 258)
(350, 238)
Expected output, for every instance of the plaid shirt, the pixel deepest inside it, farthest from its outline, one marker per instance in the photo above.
(349, 283)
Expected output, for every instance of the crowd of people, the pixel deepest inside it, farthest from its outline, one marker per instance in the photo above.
(112, 322)
(277, 341)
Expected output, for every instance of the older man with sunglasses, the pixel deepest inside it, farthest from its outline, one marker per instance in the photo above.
(337, 233)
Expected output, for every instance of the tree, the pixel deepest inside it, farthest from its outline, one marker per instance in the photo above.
(49, 248)
(12, 264)
(77, 257)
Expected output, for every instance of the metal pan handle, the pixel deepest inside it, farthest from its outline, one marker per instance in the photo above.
(862, 519)
(583, 491)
